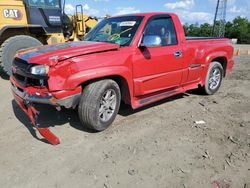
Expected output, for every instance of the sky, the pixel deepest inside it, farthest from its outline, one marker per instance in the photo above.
(189, 11)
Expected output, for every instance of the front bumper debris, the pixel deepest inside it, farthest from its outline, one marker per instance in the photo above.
(27, 97)
(32, 113)
(47, 98)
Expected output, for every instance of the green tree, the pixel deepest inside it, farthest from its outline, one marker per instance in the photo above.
(193, 30)
(229, 30)
(205, 30)
(239, 28)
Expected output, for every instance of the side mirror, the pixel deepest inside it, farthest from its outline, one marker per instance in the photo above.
(151, 41)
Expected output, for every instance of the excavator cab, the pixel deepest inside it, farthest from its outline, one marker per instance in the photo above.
(46, 13)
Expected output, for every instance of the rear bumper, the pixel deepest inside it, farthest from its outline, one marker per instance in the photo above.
(67, 99)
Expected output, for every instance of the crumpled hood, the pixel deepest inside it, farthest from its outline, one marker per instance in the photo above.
(52, 54)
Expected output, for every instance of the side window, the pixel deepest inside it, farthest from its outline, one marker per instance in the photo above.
(44, 3)
(39, 3)
(164, 28)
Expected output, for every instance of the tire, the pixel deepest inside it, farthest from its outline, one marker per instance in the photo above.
(95, 104)
(10, 47)
(213, 78)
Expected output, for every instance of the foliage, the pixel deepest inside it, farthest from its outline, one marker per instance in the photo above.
(239, 28)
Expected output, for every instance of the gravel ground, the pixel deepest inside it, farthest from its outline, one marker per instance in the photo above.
(156, 146)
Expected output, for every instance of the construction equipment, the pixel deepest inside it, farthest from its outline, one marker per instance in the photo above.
(29, 23)
(220, 19)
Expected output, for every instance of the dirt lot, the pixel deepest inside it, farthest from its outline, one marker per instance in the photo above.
(157, 146)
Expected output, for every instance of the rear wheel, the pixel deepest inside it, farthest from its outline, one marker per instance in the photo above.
(10, 47)
(99, 104)
(213, 79)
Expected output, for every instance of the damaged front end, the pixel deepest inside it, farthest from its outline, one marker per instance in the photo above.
(29, 89)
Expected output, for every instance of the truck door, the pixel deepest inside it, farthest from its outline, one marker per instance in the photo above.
(158, 68)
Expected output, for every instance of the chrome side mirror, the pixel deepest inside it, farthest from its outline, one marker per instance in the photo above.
(151, 41)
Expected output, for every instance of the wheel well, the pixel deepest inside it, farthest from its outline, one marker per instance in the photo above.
(35, 32)
(223, 62)
(123, 85)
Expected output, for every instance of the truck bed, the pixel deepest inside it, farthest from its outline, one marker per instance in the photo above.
(208, 43)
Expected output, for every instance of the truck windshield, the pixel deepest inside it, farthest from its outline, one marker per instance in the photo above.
(117, 30)
(45, 3)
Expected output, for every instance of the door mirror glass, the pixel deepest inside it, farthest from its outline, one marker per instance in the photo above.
(151, 41)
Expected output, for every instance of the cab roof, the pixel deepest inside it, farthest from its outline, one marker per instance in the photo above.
(147, 14)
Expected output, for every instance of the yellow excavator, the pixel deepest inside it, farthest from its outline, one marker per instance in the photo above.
(29, 23)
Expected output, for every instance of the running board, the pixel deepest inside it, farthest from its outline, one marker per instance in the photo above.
(147, 100)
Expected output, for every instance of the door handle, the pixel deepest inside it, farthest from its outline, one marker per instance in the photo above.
(178, 54)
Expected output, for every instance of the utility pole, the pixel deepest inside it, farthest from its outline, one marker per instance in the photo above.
(220, 19)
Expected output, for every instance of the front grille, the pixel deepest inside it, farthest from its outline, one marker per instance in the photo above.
(21, 72)
(22, 64)
(19, 78)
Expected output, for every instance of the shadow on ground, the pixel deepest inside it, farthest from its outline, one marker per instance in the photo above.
(50, 117)
(126, 110)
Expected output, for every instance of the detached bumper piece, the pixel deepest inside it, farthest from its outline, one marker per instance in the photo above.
(25, 102)
(28, 93)
(32, 113)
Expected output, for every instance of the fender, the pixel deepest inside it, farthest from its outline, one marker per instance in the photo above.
(208, 59)
(101, 72)
(83, 76)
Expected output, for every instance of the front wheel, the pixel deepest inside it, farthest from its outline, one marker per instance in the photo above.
(99, 104)
(213, 78)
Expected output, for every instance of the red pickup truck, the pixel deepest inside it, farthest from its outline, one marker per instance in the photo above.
(138, 59)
